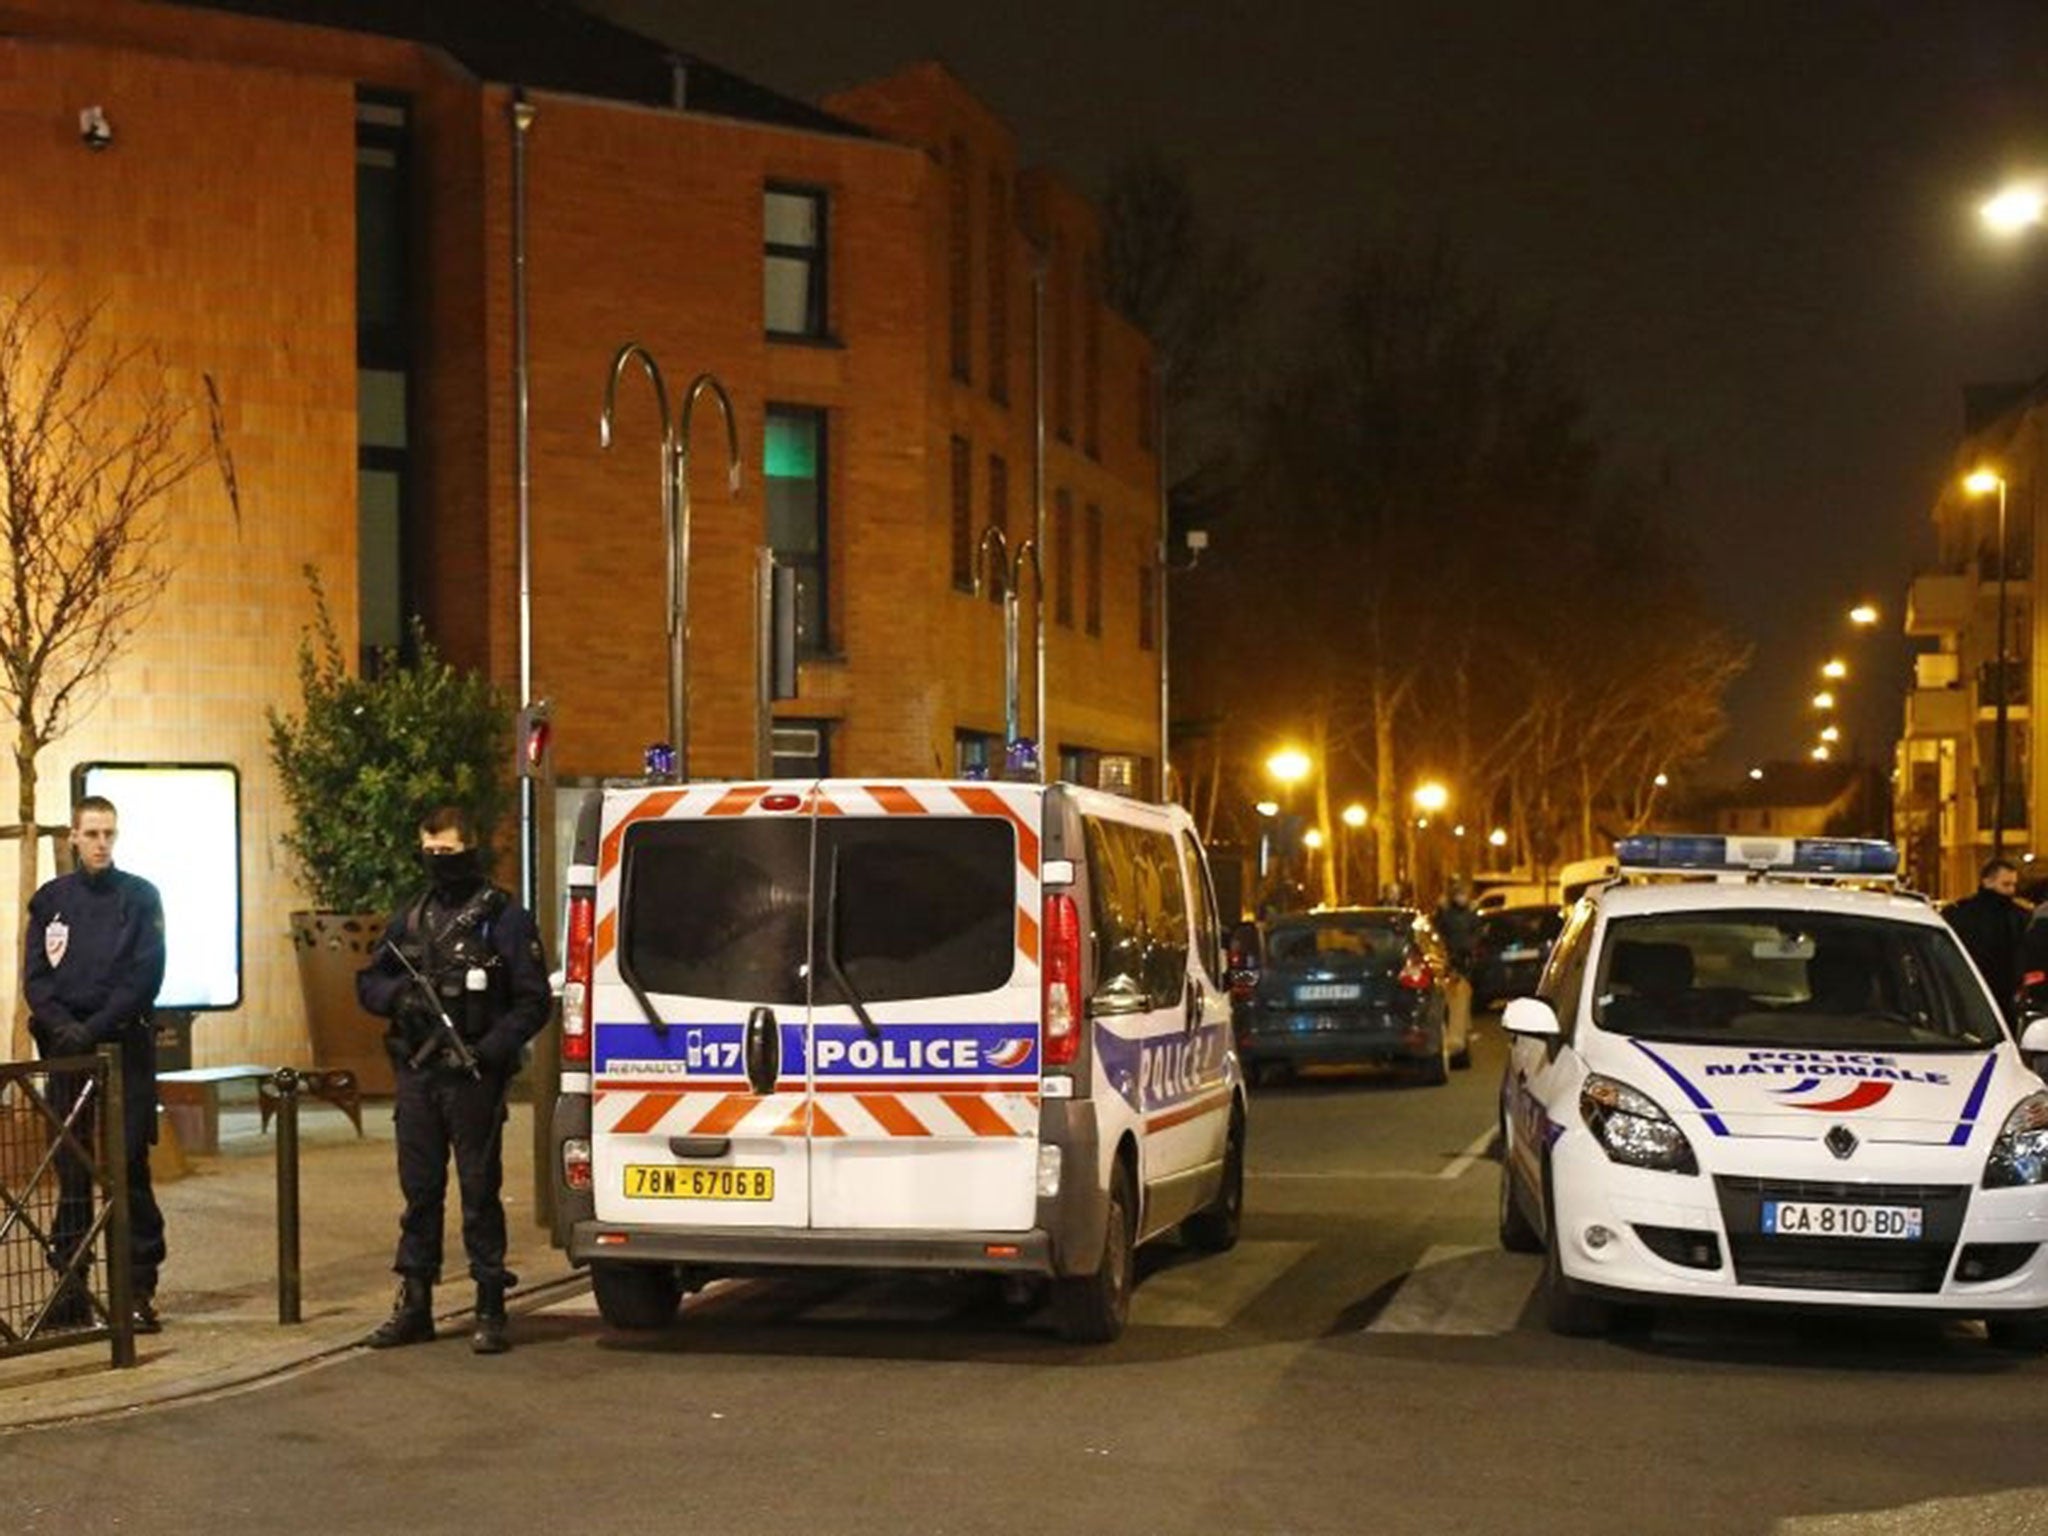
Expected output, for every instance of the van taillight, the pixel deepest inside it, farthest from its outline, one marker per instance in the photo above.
(1060, 968)
(576, 977)
(1416, 975)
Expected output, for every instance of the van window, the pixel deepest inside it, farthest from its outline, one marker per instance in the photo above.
(717, 908)
(722, 909)
(1208, 931)
(925, 908)
(1138, 909)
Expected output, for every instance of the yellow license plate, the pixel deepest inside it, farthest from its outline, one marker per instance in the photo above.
(649, 1181)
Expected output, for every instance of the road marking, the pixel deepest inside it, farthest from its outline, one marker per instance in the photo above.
(1472, 1154)
(1463, 1292)
(1212, 1293)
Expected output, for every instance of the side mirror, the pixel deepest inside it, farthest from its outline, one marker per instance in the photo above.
(2034, 1033)
(1535, 1018)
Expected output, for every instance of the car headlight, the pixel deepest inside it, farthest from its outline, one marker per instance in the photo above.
(2020, 1155)
(1632, 1129)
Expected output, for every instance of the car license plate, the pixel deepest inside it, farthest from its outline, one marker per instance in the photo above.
(1518, 952)
(651, 1181)
(1329, 992)
(1806, 1218)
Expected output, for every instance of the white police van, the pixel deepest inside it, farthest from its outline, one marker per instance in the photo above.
(922, 1024)
(1754, 1071)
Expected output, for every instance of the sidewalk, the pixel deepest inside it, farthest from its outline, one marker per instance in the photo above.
(219, 1289)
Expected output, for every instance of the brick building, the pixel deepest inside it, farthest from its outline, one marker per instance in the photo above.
(405, 244)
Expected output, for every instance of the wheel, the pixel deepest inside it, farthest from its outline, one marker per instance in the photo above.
(1092, 1309)
(637, 1297)
(1565, 1310)
(2024, 1332)
(1437, 1070)
(1214, 1228)
(1518, 1234)
(1462, 1060)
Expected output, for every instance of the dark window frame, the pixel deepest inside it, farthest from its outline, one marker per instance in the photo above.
(816, 256)
(820, 644)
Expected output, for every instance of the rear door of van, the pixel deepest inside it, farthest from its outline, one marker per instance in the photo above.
(818, 1007)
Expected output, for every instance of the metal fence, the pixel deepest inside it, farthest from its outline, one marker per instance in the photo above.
(64, 1258)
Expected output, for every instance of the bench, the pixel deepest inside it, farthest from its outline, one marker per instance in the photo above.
(192, 1099)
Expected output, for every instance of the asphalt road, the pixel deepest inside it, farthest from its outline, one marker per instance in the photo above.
(1365, 1361)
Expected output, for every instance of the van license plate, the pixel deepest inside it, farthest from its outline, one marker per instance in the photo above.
(1804, 1218)
(652, 1181)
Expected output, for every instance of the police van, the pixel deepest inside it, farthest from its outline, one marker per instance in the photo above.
(975, 1026)
(1755, 1071)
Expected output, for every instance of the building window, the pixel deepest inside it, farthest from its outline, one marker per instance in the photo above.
(998, 287)
(976, 754)
(384, 366)
(999, 510)
(1063, 559)
(1077, 765)
(960, 259)
(794, 219)
(802, 749)
(793, 461)
(963, 515)
(1091, 567)
(1091, 358)
(1149, 578)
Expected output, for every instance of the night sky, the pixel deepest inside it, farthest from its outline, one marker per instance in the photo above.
(1750, 227)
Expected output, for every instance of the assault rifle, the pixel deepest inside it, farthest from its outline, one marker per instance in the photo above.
(447, 1035)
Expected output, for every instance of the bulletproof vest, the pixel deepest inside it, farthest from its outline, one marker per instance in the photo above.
(448, 947)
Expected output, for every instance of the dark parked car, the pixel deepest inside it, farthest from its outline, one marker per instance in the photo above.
(1347, 986)
(1509, 952)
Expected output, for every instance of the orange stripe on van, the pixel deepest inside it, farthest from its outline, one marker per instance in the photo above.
(656, 803)
(737, 800)
(821, 805)
(986, 802)
(646, 1115)
(1027, 934)
(726, 1114)
(607, 934)
(822, 1124)
(895, 799)
(892, 1114)
(1208, 1104)
(975, 1111)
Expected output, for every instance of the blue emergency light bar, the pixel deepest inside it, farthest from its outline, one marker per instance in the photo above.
(1865, 856)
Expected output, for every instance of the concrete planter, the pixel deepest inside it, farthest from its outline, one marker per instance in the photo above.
(331, 947)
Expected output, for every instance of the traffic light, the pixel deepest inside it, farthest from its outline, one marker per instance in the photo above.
(533, 736)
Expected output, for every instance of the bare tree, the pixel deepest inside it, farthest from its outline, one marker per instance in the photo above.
(91, 442)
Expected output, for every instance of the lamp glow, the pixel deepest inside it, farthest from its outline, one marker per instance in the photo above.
(1354, 815)
(2013, 209)
(1431, 796)
(1289, 765)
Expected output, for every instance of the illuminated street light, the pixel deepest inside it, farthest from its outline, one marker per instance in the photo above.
(1498, 837)
(1981, 482)
(1820, 754)
(1662, 781)
(1431, 796)
(1836, 669)
(1354, 815)
(1756, 773)
(1289, 765)
(1268, 807)
(1863, 613)
(1312, 838)
(2013, 209)
(1831, 733)
(1823, 700)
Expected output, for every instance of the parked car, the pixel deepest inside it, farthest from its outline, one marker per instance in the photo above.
(1508, 953)
(1348, 986)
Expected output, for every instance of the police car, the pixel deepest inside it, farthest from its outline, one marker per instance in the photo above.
(1755, 1071)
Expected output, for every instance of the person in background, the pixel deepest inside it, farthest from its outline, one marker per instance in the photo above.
(92, 967)
(463, 956)
(1992, 924)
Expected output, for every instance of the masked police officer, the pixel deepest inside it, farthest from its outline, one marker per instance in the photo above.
(93, 964)
(459, 974)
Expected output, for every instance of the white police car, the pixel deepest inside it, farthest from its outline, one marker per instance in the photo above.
(1753, 1071)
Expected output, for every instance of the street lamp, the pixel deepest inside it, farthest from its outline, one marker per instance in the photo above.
(1864, 614)
(1979, 483)
(1835, 670)
(1824, 700)
(2013, 209)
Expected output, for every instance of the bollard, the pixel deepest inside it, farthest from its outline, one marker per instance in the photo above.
(285, 1082)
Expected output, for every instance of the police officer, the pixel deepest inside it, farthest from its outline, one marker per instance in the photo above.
(92, 967)
(463, 957)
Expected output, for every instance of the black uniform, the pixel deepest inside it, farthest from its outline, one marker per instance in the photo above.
(480, 952)
(93, 965)
(1991, 925)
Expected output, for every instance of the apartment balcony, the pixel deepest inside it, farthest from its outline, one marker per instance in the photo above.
(1937, 669)
(1938, 604)
(1932, 713)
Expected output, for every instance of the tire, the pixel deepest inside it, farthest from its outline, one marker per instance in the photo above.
(2021, 1332)
(1214, 1229)
(1092, 1309)
(1437, 1070)
(640, 1298)
(1518, 1233)
(1566, 1311)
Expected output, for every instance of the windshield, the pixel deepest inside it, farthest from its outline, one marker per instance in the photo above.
(1826, 980)
(1336, 937)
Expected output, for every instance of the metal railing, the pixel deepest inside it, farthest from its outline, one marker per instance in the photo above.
(64, 1256)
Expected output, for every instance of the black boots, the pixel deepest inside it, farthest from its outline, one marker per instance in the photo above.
(412, 1317)
(489, 1338)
